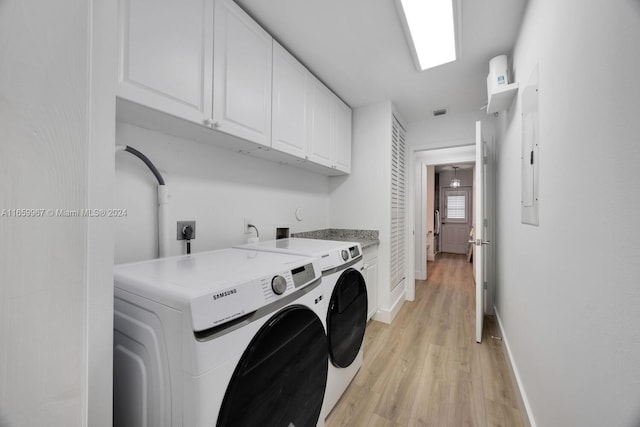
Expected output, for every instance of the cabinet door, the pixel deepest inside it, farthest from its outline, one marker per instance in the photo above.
(341, 136)
(320, 140)
(291, 106)
(371, 277)
(166, 56)
(241, 75)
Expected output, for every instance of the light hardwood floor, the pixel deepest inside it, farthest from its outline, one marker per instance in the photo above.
(426, 369)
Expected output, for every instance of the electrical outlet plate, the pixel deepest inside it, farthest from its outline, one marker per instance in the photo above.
(247, 221)
(182, 225)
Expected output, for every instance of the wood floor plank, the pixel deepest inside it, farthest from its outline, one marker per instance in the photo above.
(496, 377)
(502, 416)
(354, 408)
(378, 421)
(397, 396)
(431, 403)
(425, 369)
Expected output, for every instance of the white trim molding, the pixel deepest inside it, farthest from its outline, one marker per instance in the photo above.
(516, 374)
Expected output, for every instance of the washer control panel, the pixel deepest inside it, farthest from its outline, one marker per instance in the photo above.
(339, 256)
(303, 275)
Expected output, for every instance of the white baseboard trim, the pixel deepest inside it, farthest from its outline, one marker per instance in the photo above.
(421, 275)
(516, 373)
(387, 315)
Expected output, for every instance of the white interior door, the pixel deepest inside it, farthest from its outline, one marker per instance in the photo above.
(420, 197)
(480, 229)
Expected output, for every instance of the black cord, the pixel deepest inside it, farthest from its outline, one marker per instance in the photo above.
(187, 233)
(147, 162)
(255, 228)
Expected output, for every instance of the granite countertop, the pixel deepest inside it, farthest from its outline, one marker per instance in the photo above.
(366, 238)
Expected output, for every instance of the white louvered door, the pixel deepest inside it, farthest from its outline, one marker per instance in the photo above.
(398, 208)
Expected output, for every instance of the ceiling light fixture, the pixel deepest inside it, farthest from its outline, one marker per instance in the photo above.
(455, 181)
(430, 31)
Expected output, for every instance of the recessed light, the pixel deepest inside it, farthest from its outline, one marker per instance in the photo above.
(430, 30)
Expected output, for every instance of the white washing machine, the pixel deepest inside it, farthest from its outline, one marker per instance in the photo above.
(221, 338)
(346, 293)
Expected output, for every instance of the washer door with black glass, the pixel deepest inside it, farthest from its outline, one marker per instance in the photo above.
(347, 318)
(282, 375)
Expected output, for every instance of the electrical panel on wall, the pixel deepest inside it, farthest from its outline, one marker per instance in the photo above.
(530, 150)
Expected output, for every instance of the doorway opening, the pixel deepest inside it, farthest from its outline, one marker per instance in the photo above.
(454, 206)
(481, 204)
(433, 174)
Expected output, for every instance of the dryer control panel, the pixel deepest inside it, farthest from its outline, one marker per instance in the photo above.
(222, 306)
(354, 251)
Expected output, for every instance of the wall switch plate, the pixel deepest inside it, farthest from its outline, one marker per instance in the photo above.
(182, 225)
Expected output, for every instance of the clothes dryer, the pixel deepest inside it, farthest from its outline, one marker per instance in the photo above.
(346, 317)
(221, 338)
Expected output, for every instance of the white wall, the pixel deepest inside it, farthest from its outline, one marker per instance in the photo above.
(56, 137)
(358, 200)
(444, 131)
(568, 290)
(215, 187)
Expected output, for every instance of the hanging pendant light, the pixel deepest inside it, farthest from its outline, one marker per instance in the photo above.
(455, 181)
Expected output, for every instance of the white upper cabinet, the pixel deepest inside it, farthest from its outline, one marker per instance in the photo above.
(341, 136)
(320, 143)
(330, 143)
(209, 63)
(166, 56)
(309, 121)
(291, 105)
(241, 75)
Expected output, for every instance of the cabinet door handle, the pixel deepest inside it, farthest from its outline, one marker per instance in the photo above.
(210, 123)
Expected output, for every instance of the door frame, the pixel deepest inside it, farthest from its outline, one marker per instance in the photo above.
(457, 151)
(420, 157)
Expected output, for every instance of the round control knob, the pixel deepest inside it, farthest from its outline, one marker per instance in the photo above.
(279, 285)
(345, 255)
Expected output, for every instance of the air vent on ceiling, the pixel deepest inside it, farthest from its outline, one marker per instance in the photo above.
(440, 112)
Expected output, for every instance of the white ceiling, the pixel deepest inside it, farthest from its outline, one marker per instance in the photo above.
(358, 49)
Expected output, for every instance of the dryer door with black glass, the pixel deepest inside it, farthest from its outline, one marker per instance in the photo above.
(347, 318)
(282, 375)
